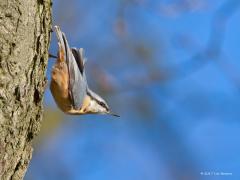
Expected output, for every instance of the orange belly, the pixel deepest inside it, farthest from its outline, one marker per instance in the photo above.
(59, 86)
(60, 90)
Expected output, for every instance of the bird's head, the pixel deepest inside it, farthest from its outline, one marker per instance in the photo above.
(97, 105)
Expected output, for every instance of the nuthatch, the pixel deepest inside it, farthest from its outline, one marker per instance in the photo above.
(69, 85)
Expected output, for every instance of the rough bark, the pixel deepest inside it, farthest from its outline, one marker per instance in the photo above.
(24, 41)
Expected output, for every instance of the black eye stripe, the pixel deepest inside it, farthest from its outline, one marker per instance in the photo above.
(102, 104)
(99, 102)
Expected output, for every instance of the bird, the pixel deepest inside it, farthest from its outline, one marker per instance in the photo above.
(69, 85)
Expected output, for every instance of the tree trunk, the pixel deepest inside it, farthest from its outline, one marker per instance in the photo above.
(24, 40)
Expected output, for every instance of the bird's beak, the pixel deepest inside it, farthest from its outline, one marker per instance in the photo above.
(113, 114)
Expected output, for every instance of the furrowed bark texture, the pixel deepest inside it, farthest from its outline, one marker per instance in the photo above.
(24, 41)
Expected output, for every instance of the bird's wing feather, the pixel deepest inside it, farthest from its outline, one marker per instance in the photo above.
(77, 81)
(79, 58)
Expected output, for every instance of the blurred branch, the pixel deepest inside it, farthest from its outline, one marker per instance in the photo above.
(211, 52)
(213, 49)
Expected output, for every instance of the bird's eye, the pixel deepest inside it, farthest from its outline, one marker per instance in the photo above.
(101, 104)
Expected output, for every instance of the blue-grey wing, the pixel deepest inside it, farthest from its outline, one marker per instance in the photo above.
(80, 89)
(77, 81)
(75, 61)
